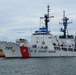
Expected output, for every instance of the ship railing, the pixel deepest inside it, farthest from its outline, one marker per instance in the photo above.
(3, 42)
(61, 48)
(39, 49)
(69, 49)
(57, 48)
(7, 42)
(64, 48)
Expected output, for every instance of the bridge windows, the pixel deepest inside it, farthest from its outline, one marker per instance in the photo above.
(70, 49)
(75, 49)
(36, 41)
(64, 49)
(43, 42)
(35, 51)
(44, 47)
(34, 46)
(57, 48)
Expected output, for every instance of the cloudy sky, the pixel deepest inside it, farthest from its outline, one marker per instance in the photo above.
(20, 18)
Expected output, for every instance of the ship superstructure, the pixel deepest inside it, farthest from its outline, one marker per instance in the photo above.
(43, 43)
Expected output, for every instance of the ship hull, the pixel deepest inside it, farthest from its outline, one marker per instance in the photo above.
(14, 50)
(2, 53)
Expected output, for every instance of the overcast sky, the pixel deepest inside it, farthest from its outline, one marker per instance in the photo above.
(20, 18)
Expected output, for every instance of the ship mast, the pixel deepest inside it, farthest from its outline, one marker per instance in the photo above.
(75, 41)
(46, 17)
(65, 24)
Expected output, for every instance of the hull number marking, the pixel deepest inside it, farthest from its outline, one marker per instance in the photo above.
(8, 48)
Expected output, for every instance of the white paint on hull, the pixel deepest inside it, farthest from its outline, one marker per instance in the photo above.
(34, 52)
(14, 52)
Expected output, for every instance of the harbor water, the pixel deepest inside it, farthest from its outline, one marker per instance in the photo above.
(38, 66)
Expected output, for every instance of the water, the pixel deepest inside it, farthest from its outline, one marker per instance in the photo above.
(38, 66)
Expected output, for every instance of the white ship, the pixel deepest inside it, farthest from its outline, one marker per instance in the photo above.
(43, 43)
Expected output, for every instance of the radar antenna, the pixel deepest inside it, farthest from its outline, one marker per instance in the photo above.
(46, 17)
